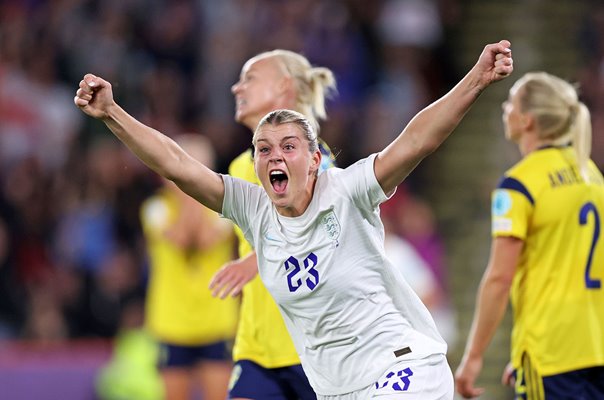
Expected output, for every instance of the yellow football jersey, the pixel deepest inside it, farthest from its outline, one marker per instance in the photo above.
(180, 308)
(262, 336)
(557, 295)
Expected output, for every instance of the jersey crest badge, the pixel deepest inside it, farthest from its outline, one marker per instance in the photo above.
(332, 225)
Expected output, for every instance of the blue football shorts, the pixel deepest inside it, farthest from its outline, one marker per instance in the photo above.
(585, 383)
(187, 356)
(252, 381)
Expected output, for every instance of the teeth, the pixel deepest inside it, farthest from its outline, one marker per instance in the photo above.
(276, 172)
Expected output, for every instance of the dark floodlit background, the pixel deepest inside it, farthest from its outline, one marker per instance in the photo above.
(72, 261)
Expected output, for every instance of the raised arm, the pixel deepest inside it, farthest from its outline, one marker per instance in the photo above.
(160, 153)
(431, 126)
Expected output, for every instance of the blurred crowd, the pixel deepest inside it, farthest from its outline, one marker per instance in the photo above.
(72, 258)
(591, 73)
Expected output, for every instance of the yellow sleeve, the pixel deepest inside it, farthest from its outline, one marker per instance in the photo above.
(511, 209)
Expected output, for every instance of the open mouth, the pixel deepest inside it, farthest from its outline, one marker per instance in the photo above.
(278, 181)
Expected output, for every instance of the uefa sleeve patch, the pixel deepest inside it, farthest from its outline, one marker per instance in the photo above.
(501, 225)
(502, 202)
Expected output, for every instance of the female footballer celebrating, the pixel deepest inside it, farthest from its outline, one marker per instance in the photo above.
(360, 330)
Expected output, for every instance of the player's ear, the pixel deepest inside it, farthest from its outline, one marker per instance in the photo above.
(315, 162)
(528, 121)
(286, 84)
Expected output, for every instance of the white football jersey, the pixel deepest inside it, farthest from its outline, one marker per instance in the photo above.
(347, 308)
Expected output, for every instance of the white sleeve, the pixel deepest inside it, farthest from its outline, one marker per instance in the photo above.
(361, 183)
(241, 203)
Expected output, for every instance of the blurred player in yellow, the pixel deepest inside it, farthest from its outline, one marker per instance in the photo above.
(187, 243)
(547, 251)
(267, 365)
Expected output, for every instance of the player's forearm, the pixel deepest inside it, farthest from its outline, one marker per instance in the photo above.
(491, 303)
(157, 151)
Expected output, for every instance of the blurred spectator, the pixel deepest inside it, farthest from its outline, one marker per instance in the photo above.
(36, 108)
(25, 186)
(93, 247)
(413, 219)
(417, 224)
(187, 244)
(85, 231)
(131, 373)
(409, 30)
(417, 267)
(335, 38)
(12, 300)
(45, 321)
(591, 75)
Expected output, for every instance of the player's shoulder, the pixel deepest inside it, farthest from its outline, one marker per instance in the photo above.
(532, 169)
(524, 167)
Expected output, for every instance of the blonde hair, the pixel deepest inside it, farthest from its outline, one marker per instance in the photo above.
(559, 114)
(313, 84)
(281, 117)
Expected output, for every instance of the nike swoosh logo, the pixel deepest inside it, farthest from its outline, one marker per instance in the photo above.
(272, 239)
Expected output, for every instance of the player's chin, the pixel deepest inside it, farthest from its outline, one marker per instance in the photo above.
(279, 199)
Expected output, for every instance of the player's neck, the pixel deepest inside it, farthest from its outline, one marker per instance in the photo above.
(530, 142)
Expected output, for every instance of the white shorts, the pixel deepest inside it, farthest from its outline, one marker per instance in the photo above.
(427, 379)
